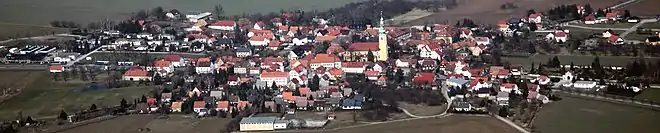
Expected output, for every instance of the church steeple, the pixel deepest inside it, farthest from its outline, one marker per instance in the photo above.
(382, 40)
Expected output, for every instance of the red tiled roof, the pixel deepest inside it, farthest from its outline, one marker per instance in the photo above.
(162, 63)
(371, 73)
(612, 14)
(335, 48)
(336, 71)
(560, 34)
(274, 43)
(304, 91)
(288, 96)
(257, 38)
(502, 23)
(173, 58)
(57, 67)
(325, 58)
(136, 71)
(223, 23)
(364, 46)
(423, 78)
(590, 18)
(325, 38)
(613, 38)
(266, 74)
(242, 104)
(151, 101)
(352, 64)
(223, 104)
(271, 60)
(199, 104)
(508, 85)
(535, 15)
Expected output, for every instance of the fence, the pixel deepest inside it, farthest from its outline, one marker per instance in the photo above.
(610, 97)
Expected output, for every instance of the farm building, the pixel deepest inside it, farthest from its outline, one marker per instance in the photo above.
(258, 124)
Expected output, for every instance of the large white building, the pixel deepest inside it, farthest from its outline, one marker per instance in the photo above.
(262, 124)
(280, 78)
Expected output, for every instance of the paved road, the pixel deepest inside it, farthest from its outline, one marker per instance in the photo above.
(624, 34)
(40, 37)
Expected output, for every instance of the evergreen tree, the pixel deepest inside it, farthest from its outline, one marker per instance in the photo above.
(533, 69)
(274, 86)
(63, 116)
(123, 104)
(143, 99)
(572, 66)
(588, 10)
(598, 69)
(626, 14)
(158, 80)
(532, 26)
(315, 83)
(370, 56)
(399, 75)
(555, 62)
(93, 107)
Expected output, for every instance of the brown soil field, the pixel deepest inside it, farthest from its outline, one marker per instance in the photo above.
(489, 12)
(644, 8)
(449, 124)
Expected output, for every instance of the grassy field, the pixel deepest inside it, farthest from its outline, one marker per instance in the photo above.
(422, 109)
(575, 115)
(41, 97)
(578, 60)
(489, 12)
(644, 8)
(9, 31)
(650, 94)
(449, 124)
(617, 25)
(134, 57)
(655, 25)
(174, 124)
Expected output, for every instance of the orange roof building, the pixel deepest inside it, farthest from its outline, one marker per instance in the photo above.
(56, 68)
(135, 74)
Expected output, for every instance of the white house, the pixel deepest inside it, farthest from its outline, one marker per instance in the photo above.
(535, 18)
(280, 78)
(227, 25)
(243, 52)
(258, 41)
(353, 67)
(204, 65)
(608, 33)
(584, 84)
(300, 41)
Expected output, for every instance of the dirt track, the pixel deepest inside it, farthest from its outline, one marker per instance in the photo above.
(489, 12)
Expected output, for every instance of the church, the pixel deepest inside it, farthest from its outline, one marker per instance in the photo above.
(359, 51)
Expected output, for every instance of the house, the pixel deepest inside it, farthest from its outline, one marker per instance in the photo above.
(653, 40)
(162, 67)
(204, 65)
(589, 20)
(243, 52)
(335, 73)
(199, 106)
(353, 67)
(465, 33)
(257, 124)
(558, 36)
(503, 25)
(233, 80)
(56, 69)
(175, 60)
(482, 40)
(502, 98)
(280, 78)
(543, 80)
(136, 74)
(608, 33)
(354, 103)
(405, 62)
(259, 41)
(615, 40)
(176, 106)
(301, 103)
(424, 78)
(226, 25)
(586, 85)
(612, 15)
(535, 18)
(457, 82)
(358, 51)
(325, 60)
(165, 97)
(372, 75)
(508, 87)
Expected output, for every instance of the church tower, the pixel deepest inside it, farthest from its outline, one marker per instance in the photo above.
(382, 40)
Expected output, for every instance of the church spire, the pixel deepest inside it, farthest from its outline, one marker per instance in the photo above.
(382, 22)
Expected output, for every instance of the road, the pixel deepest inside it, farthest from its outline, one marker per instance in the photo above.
(624, 34)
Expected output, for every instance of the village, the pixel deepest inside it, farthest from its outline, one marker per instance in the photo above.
(274, 75)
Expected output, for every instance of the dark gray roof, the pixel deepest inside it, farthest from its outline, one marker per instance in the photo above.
(242, 49)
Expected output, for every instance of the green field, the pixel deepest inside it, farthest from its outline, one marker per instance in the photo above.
(655, 25)
(650, 94)
(576, 115)
(583, 60)
(616, 25)
(8, 31)
(43, 98)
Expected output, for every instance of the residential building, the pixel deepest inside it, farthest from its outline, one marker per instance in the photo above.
(280, 78)
(176, 60)
(204, 65)
(135, 74)
(257, 124)
(359, 51)
(584, 85)
(353, 67)
(56, 69)
(325, 60)
(227, 25)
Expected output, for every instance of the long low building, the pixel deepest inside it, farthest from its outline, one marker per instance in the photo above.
(262, 124)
